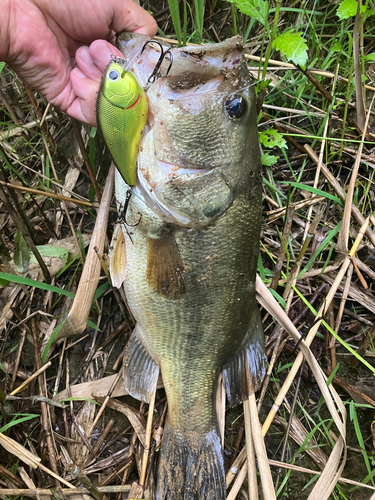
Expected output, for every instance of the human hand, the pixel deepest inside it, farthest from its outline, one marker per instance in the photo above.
(40, 39)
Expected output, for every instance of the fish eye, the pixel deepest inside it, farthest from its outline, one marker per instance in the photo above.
(235, 106)
(113, 75)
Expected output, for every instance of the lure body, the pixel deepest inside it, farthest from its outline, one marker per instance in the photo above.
(122, 113)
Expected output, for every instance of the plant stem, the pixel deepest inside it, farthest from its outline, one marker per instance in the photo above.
(234, 18)
(272, 38)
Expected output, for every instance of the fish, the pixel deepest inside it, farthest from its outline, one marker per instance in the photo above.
(191, 251)
(121, 108)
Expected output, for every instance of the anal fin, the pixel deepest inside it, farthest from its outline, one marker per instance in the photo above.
(140, 369)
(250, 353)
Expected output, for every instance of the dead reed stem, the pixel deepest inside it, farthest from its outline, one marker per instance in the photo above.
(148, 439)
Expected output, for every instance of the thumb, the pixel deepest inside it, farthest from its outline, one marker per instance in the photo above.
(130, 16)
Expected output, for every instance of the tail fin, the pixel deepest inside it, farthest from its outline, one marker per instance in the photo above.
(191, 467)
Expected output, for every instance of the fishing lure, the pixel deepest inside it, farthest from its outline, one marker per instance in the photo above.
(122, 113)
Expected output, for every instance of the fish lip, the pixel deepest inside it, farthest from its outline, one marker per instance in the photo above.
(147, 193)
(204, 62)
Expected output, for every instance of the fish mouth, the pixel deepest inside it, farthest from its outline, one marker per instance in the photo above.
(171, 171)
(191, 66)
(146, 189)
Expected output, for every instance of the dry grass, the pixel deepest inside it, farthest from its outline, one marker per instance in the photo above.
(316, 273)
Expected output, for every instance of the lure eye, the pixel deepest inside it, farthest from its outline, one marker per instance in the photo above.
(113, 75)
(235, 106)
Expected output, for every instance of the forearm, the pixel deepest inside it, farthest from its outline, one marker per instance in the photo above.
(4, 29)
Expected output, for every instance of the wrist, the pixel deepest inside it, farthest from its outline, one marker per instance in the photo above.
(4, 30)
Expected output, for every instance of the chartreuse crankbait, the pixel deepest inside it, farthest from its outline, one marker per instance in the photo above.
(122, 113)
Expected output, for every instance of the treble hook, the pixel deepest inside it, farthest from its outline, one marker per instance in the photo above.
(121, 219)
(156, 73)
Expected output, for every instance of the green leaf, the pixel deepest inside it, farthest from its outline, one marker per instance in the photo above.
(332, 332)
(368, 13)
(52, 251)
(101, 290)
(358, 430)
(270, 138)
(292, 46)
(287, 366)
(22, 253)
(175, 15)
(93, 325)
(330, 235)
(270, 186)
(2, 65)
(256, 9)
(268, 160)
(262, 84)
(370, 57)
(336, 47)
(2, 367)
(69, 264)
(348, 8)
(13, 278)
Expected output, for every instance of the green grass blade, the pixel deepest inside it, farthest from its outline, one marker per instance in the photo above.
(357, 428)
(175, 15)
(313, 190)
(18, 421)
(51, 340)
(330, 235)
(337, 337)
(199, 18)
(21, 280)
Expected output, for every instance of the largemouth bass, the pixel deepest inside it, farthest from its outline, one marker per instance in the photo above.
(190, 263)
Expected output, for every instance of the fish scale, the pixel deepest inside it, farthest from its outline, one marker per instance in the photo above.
(191, 260)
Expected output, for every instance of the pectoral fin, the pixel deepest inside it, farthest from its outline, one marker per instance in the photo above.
(165, 270)
(117, 257)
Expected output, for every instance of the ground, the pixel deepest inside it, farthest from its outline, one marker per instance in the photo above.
(308, 229)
